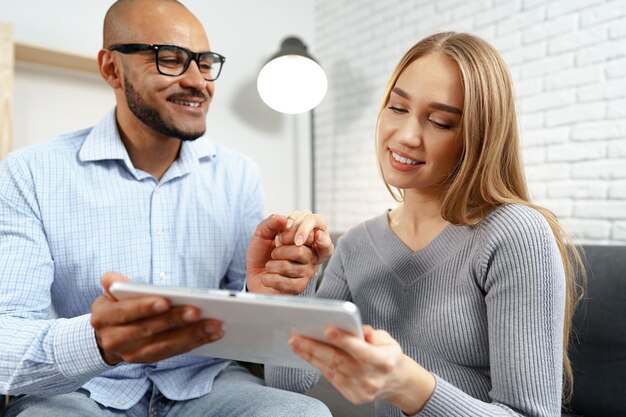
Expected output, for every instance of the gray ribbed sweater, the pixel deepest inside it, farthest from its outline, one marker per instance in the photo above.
(480, 307)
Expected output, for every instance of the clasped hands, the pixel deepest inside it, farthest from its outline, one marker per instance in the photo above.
(282, 257)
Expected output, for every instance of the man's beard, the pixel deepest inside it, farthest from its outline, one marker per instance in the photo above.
(151, 117)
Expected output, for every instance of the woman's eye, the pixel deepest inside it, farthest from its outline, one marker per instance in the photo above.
(439, 125)
(397, 109)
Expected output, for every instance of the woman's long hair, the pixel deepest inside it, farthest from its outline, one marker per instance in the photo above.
(490, 171)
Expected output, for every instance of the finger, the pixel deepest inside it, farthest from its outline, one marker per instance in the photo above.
(174, 342)
(105, 312)
(292, 253)
(284, 285)
(271, 226)
(290, 270)
(355, 346)
(328, 359)
(323, 245)
(288, 237)
(306, 227)
(109, 278)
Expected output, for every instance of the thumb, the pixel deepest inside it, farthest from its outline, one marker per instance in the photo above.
(271, 226)
(109, 278)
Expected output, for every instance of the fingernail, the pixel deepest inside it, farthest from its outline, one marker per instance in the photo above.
(299, 240)
(320, 237)
(289, 223)
(189, 315)
(160, 306)
(279, 239)
(212, 327)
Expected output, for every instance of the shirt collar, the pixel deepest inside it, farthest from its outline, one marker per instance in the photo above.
(105, 143)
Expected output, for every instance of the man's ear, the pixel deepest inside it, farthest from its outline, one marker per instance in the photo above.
(109, 69)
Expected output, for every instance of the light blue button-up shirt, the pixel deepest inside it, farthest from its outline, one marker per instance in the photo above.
(74, 208)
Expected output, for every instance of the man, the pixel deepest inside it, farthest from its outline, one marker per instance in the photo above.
(137, 195)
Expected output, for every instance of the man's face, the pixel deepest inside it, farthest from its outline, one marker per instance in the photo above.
(169, 106)
(157, 118)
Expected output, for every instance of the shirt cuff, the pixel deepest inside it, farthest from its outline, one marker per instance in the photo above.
(76, 352)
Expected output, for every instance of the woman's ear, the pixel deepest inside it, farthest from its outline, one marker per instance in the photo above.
(109, 69)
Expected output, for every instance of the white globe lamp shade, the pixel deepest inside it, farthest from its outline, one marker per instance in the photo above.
(292, 82)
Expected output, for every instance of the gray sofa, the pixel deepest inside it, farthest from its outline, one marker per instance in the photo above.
(598, 352)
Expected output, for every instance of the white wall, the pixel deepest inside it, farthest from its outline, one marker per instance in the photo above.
(48, 102)
(568, 61)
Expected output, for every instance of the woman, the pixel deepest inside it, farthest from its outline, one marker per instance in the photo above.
(473, 285)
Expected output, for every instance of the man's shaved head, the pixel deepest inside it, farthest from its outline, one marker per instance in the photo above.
(123, 17)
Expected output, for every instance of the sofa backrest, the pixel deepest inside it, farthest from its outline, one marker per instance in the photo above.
(598, 350)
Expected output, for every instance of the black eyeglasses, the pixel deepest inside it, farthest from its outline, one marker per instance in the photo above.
(173, 60)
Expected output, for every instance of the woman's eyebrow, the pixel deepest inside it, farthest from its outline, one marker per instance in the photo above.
(434, 105)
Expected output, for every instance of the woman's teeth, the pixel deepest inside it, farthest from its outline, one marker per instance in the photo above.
(403, 159)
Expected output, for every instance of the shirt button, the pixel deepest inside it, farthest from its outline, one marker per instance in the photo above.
(162, 275)
(159, 231)
(120, 402)
(158, 190)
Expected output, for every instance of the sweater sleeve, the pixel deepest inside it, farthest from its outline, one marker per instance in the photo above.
(524, 284)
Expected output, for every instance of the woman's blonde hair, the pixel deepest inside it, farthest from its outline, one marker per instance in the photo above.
(490, 171)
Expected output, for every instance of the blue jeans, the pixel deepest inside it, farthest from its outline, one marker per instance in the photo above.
(235, 393)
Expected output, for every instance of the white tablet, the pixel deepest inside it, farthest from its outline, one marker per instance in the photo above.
(256, 327)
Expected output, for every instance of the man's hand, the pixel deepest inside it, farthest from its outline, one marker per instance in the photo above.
(146, 329)
(284, 252)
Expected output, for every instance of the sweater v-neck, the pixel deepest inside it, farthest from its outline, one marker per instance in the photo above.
(407, 265)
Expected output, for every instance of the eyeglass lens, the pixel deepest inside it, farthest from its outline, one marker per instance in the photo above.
(174, 61)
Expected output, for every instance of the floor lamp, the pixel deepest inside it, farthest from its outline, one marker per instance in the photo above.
(293, 82)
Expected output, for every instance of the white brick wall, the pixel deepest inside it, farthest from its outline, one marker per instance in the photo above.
(568, 61)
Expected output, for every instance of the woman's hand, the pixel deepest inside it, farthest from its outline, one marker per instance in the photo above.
(284, 253)
(366, 370)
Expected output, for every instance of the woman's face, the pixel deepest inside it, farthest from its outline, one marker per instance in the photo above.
(419, 140)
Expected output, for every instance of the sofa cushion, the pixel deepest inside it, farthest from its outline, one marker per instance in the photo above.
(598, 351)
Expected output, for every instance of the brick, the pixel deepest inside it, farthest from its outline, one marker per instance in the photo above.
(529, 4)
(525, 53)
(470, 9)
(588, 230)
(550, 28)
(616, 68)
(507, 42)
(617, 148)
(608, 129)
(602, 169)
(617, 29)
(616, 109)
(607, 90)
(548, 172)
(559, 8)
(547, 65)
(529, 122)
(549, 100)
(561, 208)
(578, 39)
(521, 20)
(498, 13)
(600, 209)
(602, 13)
(604, 52)
(619, 232)
(574, 77)
(534, 156)
(577, 189)
(537, 190)
(546, 136)
(525, 88)
(576, 152)
(617, 190)
(580, 112)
